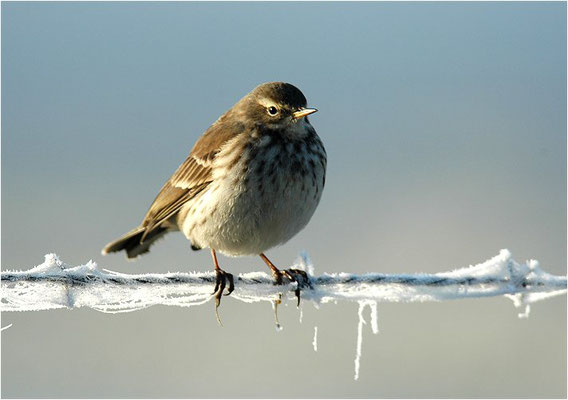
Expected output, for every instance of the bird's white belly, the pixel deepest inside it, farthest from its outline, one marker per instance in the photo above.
(241, 215)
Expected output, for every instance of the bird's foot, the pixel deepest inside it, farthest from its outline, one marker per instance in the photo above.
(292, 275)
(220, 283)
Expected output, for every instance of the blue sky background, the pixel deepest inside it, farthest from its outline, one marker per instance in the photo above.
(445, 127)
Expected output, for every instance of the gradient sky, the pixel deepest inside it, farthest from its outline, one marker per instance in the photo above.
(445, 128)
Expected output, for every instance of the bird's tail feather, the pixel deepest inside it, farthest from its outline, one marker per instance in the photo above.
(132, 243)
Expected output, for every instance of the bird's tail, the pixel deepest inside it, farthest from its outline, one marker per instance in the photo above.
(132, 242)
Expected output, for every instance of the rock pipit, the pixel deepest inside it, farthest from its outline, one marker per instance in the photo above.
(251, 182)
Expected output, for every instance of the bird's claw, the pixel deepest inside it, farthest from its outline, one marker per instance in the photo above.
(293, 275)
(220, 283)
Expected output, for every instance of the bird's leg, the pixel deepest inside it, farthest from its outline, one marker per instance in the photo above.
(220, 283)
(276, 273)
(294, 275)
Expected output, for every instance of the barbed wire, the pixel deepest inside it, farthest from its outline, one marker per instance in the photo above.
(55, 284)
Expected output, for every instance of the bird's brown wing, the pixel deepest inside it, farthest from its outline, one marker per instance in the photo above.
(190, 179)
(193, 176)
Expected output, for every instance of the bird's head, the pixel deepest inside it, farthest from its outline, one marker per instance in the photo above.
(278, 106)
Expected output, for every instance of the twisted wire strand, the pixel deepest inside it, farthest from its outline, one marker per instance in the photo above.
(206, 278)
(54, 284)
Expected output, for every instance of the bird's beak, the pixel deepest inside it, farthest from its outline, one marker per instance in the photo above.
(303, 112)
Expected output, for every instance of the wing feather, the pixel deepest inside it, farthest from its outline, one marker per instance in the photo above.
(193, 175)
(188, 181)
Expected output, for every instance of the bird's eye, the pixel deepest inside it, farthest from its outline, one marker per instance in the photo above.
(272, 110)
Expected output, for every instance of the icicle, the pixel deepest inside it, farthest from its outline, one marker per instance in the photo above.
(374, 326)
(362, 305)
(526, 313)
(374, 319)
(519, 300)
(275, 304)
(315, 341)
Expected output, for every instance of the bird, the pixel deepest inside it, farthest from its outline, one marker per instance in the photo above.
(251, 182)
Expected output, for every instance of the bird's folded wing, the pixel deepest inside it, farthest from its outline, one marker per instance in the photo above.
(194, 175)
(190, 179)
